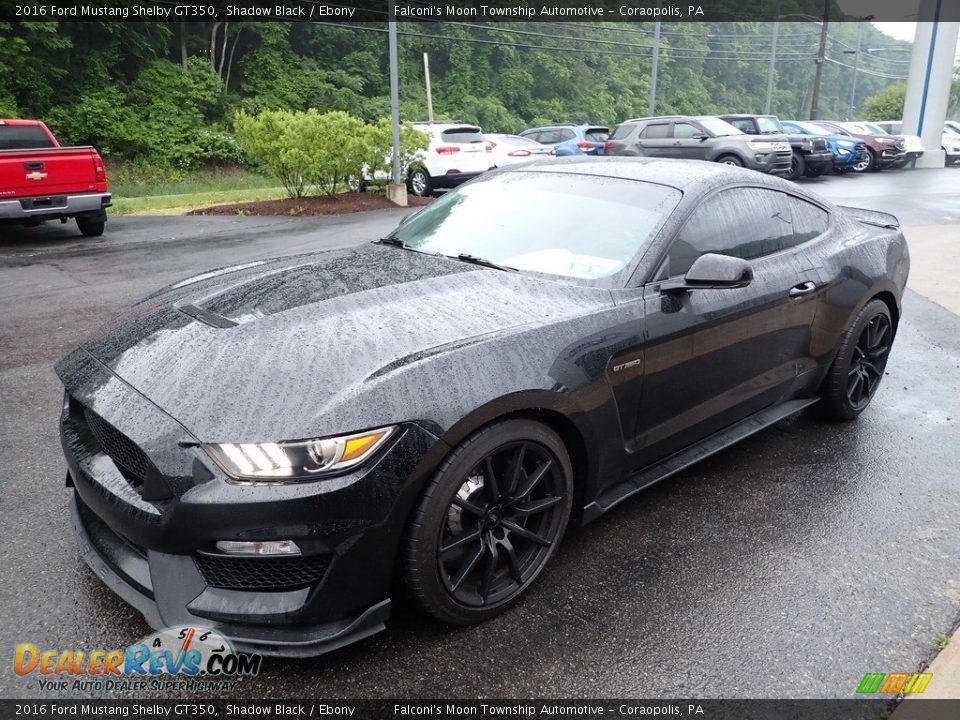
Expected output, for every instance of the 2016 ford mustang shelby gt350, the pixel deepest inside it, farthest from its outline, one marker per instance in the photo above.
(265, 448)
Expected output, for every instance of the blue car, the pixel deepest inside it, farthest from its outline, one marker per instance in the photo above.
(847, 151)
(571, 139)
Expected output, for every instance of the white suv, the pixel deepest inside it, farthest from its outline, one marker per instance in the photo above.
(457, 153)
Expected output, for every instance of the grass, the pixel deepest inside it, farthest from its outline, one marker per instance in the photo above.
(184, 202)
(140, 189)
(942, 642)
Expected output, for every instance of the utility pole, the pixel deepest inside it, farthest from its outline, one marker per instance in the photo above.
(652, 104)
(772, 67)
(426, 74)
(396, 190)
(821, 61)
(856, 69)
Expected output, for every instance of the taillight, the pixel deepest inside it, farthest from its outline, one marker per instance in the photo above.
(448, 150)
(489, 147)
(585, 146)
(100, 172)
(607, 146)
(520, 153)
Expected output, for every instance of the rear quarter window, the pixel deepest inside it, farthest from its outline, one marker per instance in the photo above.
(23, 137)
(622, 132)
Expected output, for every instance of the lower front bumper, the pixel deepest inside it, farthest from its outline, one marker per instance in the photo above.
(168, 590)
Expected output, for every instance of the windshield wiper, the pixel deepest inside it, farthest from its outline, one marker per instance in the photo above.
(394, 241)
(474, 260)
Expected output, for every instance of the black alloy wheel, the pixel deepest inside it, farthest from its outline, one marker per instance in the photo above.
(489, 522)
(798, 167)
(860, 363)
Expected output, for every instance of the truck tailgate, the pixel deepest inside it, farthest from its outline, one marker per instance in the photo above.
(53, 171)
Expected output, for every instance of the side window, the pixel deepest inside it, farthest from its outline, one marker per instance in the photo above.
(809, 221)
(549, 137)
(744, 126)
(531, 135)
(655, 131)
(566, 134)
(684, 130)
(747, 223)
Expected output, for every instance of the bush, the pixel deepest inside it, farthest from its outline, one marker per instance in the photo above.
(325, 150)
(380, 147)
(271, 139)
(886, 104)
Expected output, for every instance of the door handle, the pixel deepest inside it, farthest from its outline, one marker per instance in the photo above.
(677, 143)
(804, 288)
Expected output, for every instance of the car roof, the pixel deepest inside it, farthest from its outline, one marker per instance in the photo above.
(560, 126)
(679, 174)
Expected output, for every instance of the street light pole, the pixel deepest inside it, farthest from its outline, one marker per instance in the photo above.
(821, 61)
(773, 64)
(396, 191)
(856, 69)
(652, 104)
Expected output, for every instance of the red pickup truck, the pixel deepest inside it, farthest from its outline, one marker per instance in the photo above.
(39, 180)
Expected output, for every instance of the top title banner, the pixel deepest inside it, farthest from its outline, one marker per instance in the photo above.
(481, 10)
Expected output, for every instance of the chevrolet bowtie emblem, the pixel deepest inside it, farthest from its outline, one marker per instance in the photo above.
(36, 175)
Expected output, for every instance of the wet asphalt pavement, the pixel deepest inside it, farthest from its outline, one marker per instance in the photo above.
(786, 566)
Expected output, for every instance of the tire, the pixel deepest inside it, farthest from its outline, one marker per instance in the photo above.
(865, 165)
(732, 160)
(798, 167)
(90, 228)
(858, 368)
(469, 553)
(419, 183)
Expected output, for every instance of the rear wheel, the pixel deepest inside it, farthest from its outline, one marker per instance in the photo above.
(488, 522)
(419, 183)
(798, 167)
(90, 228)
(732, 160)
(860, 362)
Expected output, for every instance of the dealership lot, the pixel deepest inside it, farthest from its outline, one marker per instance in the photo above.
(788, 565)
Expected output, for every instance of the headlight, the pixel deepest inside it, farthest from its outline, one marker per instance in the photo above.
(886, 141)
(846, 143)
(301, 460)
(762, 145)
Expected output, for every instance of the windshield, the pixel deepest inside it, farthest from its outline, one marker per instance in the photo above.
(575, 226)
(814, 129)
(718, 127)
(875, 129)
(769, 125)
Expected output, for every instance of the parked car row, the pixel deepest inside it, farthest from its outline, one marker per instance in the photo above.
(458, 152)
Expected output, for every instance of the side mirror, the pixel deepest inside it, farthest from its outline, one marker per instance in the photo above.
(700, 136)
(713, 272)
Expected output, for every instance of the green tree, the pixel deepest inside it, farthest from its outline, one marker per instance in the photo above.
(886, 104)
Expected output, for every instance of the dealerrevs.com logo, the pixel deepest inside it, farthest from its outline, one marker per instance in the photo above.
(184, 658)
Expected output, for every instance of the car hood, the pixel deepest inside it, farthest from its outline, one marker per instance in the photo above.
(296, 347)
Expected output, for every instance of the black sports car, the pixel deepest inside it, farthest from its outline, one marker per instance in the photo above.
(265, 448)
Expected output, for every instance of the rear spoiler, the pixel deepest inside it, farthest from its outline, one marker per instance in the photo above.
(873, 217)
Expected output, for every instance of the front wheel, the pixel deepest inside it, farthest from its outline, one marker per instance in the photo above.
(419, 183)
(90, 228)
(867, 164)
(731, 160)
(798, 167)
(488, 522)
(858, 368)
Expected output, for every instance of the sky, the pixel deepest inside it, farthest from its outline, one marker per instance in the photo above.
(898, 30)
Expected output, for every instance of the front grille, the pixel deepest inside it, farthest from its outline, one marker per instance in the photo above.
(819, 145)
(129, 458)
(262, 573)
